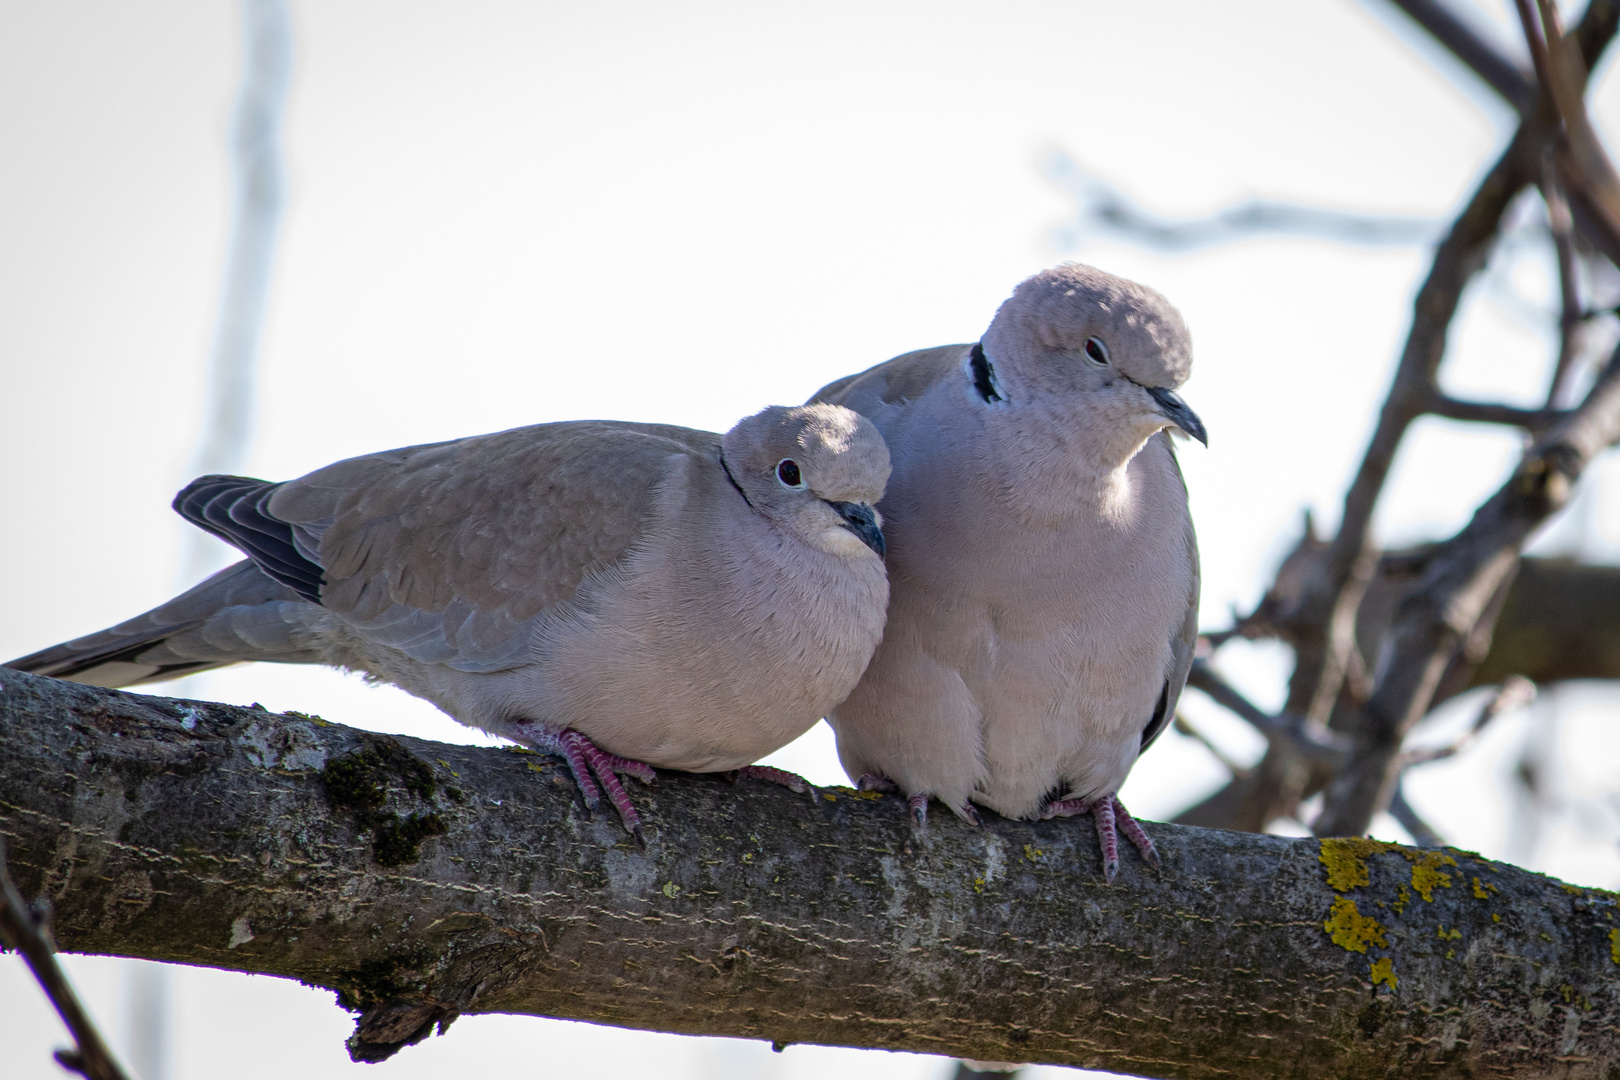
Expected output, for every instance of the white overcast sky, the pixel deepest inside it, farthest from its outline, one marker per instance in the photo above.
(505, 213)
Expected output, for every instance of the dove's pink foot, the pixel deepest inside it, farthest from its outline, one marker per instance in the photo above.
(1106, 811)
(917, 804)
(584, 759)
(771, 775)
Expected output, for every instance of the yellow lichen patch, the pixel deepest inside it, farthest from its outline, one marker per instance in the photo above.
(1449, 935)
(1427, 875)
(1345, 859)
(1352, 930)
(978, 884)
(1401, 897)
(1033, 853)
(1614, 944)
(868, 795)
(1483, 889)
(1496, 918)
(829, 796)
(1383, 971)
(536, 767)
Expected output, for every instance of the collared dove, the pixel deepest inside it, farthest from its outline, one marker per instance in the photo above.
(1042, 564)
(622, 595)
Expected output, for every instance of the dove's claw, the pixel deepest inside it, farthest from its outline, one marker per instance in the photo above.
(919, 809)
(970, 814)
(1136, 834)
(874, 782)
(603, 764)
(584, 759)
(1106, 811)
(771, 775)
(1102, 811)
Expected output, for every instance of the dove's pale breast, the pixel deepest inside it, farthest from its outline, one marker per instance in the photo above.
(708, 655)
(1046, 647)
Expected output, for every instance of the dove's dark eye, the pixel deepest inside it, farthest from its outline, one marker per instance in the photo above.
(1096, 351)
(787, 471)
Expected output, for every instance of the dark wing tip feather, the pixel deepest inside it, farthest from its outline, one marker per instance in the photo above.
(236, 509)
(1161, 719)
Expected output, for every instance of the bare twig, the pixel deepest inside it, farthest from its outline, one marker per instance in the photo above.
(1449, 604)
(1320, 625)
(1488, 412)
(1422, 833)
(1571, 316)
(1499, 71)
(1313, 742)
(1588, 176)
(22, 929)
(1515, 693)
(1187, 728)
(1101, 205)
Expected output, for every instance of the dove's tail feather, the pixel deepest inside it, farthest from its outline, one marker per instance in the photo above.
(238, 614)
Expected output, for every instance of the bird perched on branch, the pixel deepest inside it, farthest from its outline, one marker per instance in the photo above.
(1042, 565)
(623, 595)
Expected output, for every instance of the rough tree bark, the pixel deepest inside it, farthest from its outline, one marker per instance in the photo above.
(422, 880)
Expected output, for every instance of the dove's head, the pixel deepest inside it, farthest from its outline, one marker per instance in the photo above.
(1110, 349)
(815, 471)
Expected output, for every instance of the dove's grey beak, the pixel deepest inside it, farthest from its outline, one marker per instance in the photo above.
(861, 520)
(1171, 405)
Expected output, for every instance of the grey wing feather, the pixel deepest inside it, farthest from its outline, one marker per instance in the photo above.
(233, 508)
(453, 552)
(904, 378)
(238, 614)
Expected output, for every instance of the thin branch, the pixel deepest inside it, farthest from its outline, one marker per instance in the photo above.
(1489, 412)
(1100, 205)
(23, 930)
(1449, 605)
(1315, 743)
(1187, 728)
(1422, 833)
(1571, 313)
(1321, 625)
(1499, 71)
(1516, 692)
(1583, 166)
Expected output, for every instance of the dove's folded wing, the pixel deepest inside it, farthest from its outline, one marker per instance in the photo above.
(452, 552)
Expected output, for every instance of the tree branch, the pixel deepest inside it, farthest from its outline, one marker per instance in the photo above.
(1484, 412)
(23, 930)
(422, 880)
(1446, 608)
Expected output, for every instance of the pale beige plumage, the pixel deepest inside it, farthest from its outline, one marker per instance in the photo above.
(661, 590)
(1042, 562)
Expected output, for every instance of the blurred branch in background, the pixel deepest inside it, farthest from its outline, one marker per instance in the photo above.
(1102, 208)
(25, 929)
(258, 198)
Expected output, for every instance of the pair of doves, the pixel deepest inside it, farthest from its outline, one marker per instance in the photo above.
(1004, 619)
